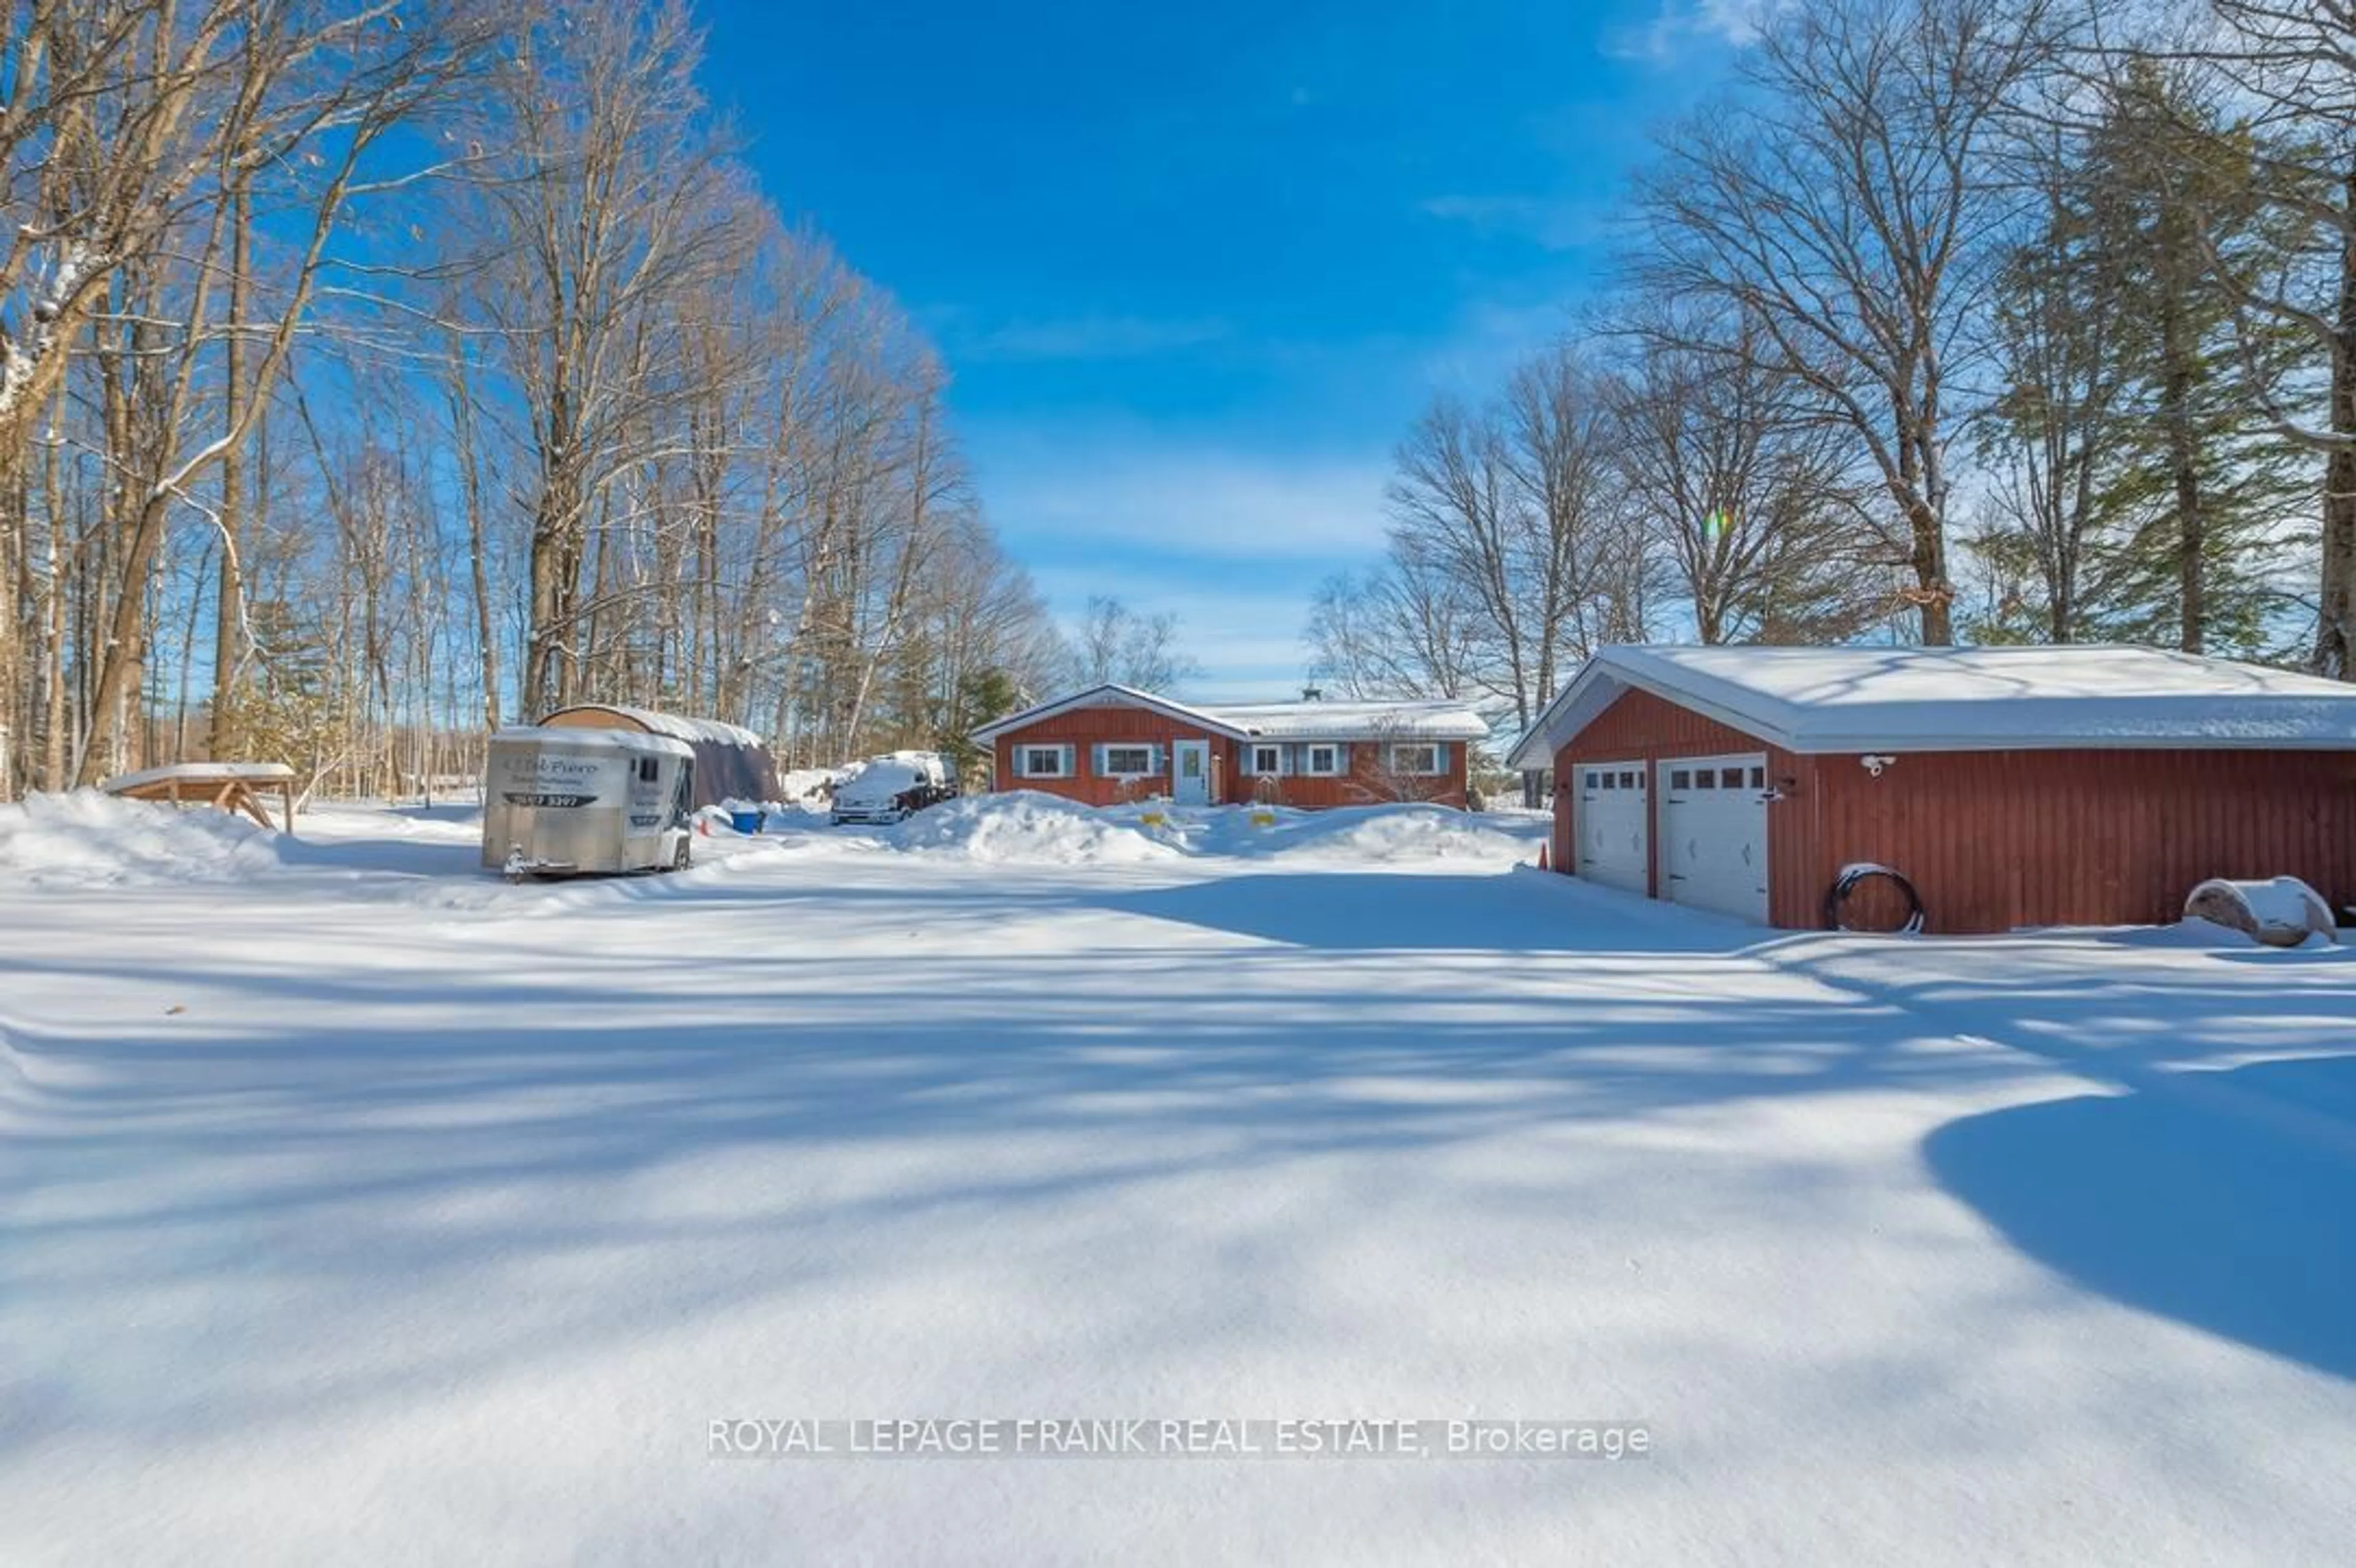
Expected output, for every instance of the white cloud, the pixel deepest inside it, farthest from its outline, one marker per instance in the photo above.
(1489, 340)
(1549, 223)
(1245, 633)
(1679, 23)
(1231, 540)
(1077, 490)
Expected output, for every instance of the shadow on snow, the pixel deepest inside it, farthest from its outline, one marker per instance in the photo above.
(2231, 1224)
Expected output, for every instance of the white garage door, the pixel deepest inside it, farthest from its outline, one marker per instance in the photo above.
(1614, 824)
(1714, 834)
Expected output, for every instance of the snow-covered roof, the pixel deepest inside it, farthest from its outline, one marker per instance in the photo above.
(1109, 694)
(251, 772)
(577, 738)
(676, 726)
(1312, 719)
(1963, 699)
(1325, 721)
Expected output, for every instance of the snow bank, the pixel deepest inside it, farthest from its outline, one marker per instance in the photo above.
(90, 840)
(1031, 828)
(1377, 833)
(808, 785)
(1028, 828)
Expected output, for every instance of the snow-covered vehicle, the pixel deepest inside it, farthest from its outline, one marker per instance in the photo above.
(888, 789)
(561, 802)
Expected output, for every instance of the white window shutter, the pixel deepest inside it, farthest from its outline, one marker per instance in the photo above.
(1021, 761)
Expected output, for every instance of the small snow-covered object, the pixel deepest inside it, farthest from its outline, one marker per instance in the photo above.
(2282, 913)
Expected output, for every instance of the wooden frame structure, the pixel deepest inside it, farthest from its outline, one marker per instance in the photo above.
(236, 787)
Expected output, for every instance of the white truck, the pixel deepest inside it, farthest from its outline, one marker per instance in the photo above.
(561, 802)
(892, 788)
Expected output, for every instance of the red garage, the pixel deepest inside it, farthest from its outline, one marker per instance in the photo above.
(2011, 786)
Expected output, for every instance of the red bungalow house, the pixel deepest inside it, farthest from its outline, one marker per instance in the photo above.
(1112, 743)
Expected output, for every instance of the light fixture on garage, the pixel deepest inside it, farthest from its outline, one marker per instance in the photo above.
(1874, 765)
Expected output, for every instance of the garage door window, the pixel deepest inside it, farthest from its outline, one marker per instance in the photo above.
(1714, 837)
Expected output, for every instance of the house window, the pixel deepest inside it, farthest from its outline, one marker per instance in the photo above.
(1324, 761)
(1266, 760)
(1129, 762)
(1419, 760)
(1042, 761)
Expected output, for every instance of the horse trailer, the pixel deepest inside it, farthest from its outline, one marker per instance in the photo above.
(568, 802)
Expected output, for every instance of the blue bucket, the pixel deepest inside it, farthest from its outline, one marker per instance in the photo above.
(745, 821)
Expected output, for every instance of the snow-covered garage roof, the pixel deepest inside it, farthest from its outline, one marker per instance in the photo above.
(1963, 699)
(1312, 720)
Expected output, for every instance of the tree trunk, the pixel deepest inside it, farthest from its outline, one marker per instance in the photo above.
(2336, 606)
(1933, 599)
(2184, 472)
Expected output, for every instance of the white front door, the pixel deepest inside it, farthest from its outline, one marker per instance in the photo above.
(1192, 772)
(1614, 826)
(1714, 834)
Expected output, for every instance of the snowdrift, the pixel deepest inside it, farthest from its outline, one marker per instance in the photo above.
(90, 840)
(1381, 833)
(1031, 829)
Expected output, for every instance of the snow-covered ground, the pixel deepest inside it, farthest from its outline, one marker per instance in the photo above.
(358, 1208)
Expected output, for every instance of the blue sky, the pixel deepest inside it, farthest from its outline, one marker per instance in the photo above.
(1193, 268)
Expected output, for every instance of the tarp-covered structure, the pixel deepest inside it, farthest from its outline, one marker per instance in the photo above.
(732, 763)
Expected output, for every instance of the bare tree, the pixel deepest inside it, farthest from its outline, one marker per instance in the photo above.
(1842, 203)
(1756, 496)
(1402, 630)
(1118, 644)
(616, 211)
(1513, 506)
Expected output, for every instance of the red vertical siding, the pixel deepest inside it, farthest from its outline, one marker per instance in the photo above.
(1364, 784)
(1997, 839)
(1084, 728)
(1639, 726)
